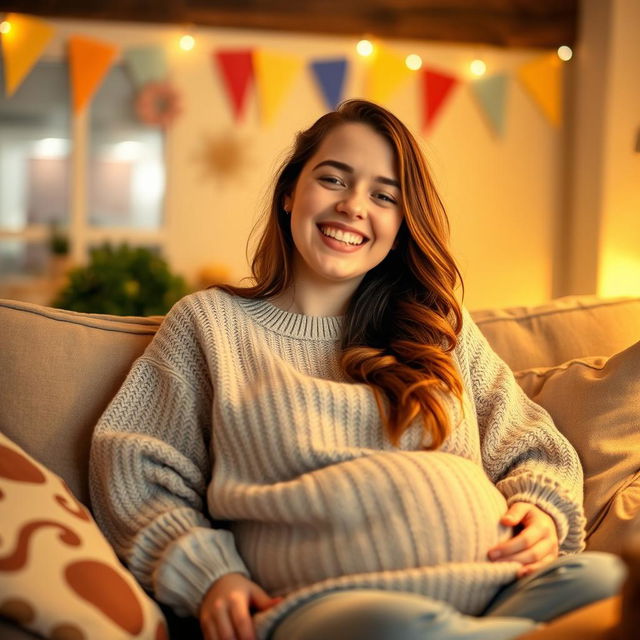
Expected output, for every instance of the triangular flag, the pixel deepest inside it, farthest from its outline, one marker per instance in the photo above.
(89, 61)
(542, 78)
(386, 73)
(146, 64)
(330, 76)
(275, 73)
(491, 94)
(22, 45)
(436, 90)
(236, 68)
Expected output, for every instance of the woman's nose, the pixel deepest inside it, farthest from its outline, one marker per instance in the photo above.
(353, 205)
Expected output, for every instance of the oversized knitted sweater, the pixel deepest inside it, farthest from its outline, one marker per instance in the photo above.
(237, 444)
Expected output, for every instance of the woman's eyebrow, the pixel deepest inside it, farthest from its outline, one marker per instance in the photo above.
(348, 169)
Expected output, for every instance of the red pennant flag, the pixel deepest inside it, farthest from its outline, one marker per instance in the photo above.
(436, 88)
(236, 68)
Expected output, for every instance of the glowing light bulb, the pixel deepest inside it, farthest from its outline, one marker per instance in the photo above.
(478, 67)
(5, 26)
(413, 61)
(565, 53)
(187, 43)
(364, 47)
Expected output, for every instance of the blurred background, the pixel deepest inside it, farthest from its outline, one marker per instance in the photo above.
(138, 140)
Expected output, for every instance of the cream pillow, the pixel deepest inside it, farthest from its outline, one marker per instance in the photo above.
(59, 576)
(595, 403)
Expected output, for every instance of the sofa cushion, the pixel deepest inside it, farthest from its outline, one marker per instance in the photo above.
(58, 574)
(566, 328)
(58, 372)
(595, 402)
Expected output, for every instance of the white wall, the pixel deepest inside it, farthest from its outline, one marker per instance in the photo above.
(504, 196)
(603, 235)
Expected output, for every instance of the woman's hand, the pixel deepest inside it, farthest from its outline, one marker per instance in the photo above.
(536, 542)
(224, 613)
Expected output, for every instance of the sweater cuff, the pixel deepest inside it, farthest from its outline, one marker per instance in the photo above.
(547, 495)
(192, 564)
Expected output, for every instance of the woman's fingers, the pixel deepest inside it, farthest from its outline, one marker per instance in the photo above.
(523, 541)
(242, 622)
(534, 554)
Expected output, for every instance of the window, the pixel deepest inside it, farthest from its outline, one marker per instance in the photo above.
(34, 168)
(111, 189)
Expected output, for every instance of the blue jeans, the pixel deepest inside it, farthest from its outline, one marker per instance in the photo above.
(368, 614)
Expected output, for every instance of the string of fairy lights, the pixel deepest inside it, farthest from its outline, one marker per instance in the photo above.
(364, 48)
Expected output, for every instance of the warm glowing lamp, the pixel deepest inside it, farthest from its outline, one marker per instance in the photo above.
(565, 53)
(187, 42)
(5, 27)
(478, 67)
(413, 61)
(364, 47)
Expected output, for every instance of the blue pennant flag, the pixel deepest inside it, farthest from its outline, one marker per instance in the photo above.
(330, 75)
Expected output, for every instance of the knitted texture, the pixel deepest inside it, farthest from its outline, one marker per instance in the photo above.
(240, 409)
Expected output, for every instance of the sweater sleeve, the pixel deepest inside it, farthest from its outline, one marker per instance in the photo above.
(150, 467)
(523, 453)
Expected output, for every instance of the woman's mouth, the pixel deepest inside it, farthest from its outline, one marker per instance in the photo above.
(340, 239)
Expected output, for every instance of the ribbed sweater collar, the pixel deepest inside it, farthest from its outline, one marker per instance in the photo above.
(294, 325)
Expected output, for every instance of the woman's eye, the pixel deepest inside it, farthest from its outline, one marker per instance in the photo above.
(386, 198)
(332, 180)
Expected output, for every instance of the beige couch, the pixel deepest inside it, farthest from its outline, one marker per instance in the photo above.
(59, 369)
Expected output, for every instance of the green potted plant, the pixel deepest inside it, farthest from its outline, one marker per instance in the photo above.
(122, 280)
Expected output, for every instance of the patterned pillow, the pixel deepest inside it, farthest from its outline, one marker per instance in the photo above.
(59, 576)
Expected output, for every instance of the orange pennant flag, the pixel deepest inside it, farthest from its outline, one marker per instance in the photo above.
(23, 42)
(89, 62)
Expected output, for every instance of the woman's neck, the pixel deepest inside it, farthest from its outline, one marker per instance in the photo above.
(313, 297)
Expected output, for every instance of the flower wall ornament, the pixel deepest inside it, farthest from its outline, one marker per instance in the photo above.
(158, 104)
(224, 156)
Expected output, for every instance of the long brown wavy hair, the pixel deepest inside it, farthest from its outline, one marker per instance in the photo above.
(402, 322)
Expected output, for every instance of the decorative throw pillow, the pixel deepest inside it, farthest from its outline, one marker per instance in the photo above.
(595, 403)
(59, 576)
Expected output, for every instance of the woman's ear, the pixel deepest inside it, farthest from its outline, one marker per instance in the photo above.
(288, 203)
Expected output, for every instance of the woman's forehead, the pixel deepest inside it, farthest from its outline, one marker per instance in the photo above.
(359, 146)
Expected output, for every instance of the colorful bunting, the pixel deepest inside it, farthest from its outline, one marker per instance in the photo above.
(491, 94)
(275, 73)
(236, 67)
(386, 73)
(21, 47)
(330, 75)
(436, 90)
(146, 64)
(89, 61)
(542, 78)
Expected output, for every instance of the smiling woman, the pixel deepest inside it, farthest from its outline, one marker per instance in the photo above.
(345, 216)
(381, 474)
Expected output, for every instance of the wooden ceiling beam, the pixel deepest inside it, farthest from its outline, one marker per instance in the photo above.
(502, 23)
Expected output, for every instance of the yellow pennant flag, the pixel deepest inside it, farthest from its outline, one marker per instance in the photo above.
(387, 71)
(89, 61)
(22, 44)
(275, 73)
(542, 78)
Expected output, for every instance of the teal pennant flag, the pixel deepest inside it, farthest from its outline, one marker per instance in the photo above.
(491, 94)
(146, 64)
(330, 75)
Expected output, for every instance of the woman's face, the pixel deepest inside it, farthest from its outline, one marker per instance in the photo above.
(345, 207)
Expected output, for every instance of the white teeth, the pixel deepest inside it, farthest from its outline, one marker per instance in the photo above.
(343, 236)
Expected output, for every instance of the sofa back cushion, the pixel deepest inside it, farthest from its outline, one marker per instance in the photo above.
(58, 372)
(566, 328)
(595, 403)
(59, 369)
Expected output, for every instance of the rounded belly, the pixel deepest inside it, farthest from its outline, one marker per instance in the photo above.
(385, 511)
